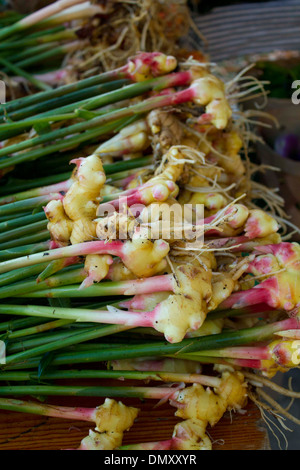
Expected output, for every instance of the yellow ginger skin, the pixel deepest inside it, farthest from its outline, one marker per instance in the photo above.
(222, 286)
(261, 224)
(229, 144)
(163, 185)
(82, 198)
(210, 92)
(112, 420)
(284, 354)
(119, 272)
(160, 64)
(209, 327)
(190, 435)
(145, 258)
(196, 402)
(234, 222)
(212, 201)
(173, 165)
(114, 416)
(108, 189)
(80, 205)
(103, 441)
(59, 226)
(84, 230)
(97, 268)
(131, 138)
(186, 309)
(116, 226)
(203, 174)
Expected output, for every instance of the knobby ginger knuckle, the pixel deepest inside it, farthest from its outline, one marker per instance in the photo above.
(145, 258)
(149, 65)
(84, 230)
(190, 435)
(166, 128)
(229, 144)
(132, 138)
(185, 309)
(59, 226)
(101, 441)
(97, 267)
(114, 416)
(196, 402)
(116, 226)
(283, 287)
(119, 272)
(112, 419)
(178, 314)
(233, 390)
(82, 198)
(192, 281)
(260, 224)
(200, 403)
(209, 327)
(238, 216)
(211, 201)
(222, 287)
(210, 92)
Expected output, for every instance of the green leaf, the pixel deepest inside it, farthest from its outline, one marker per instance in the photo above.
(45, 363)
(85, 114)
(42, 128)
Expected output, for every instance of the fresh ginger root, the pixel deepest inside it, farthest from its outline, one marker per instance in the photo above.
(222, 287)
(165, 128)
(229, 144)
(206, 405)
(284, 355)
(148, 65)
(186, 309)
(112, 420)
(97, 267)
(210, 92)
(59, 226)
(145, 258)
(72, 220)
(82, 198)
(190, 435)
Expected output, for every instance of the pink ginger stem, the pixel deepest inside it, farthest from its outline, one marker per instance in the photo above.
(148, 285)
(246, 363)
(62, 187)
(78, 413)
(241, 299)
(119, 317)
(138, 302)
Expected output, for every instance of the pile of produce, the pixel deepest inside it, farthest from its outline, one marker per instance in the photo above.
(95, 285)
